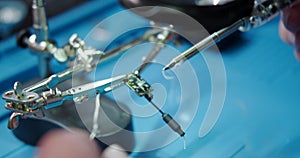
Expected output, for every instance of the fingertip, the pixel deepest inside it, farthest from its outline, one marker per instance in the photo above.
(297, 54)
(62, 144)
(286, 35)
(114, 151)
(297, 40)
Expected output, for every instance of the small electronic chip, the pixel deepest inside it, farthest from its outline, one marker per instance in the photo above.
(138, 85)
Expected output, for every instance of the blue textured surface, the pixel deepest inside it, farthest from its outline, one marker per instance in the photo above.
(261, 109)
(9, 144)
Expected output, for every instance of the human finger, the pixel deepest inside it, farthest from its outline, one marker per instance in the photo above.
(290, 17)
(114, 151)
(286, 35)
(64, 144)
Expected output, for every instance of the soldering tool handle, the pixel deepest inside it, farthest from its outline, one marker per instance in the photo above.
(173, 124)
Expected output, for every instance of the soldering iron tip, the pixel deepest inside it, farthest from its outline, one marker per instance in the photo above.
(182, 134)
(170, 65)
(166, 68)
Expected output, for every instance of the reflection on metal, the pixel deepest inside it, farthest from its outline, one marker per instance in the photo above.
(13, 121)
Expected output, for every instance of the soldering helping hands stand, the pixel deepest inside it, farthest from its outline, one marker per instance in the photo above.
(32, 101)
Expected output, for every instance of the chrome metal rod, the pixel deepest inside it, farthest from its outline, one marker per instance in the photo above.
(153, 53)
(116, 51)
(40, 20)
(55, 79)
(41, 31)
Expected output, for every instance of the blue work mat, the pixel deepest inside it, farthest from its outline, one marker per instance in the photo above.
(261, 106)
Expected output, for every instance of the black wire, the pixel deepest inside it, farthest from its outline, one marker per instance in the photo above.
(156, 107)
